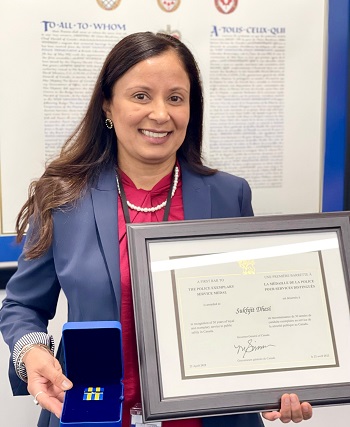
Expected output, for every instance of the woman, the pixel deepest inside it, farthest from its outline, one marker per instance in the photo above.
(135, 157)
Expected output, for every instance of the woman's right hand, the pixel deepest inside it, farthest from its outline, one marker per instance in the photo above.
(46, 380)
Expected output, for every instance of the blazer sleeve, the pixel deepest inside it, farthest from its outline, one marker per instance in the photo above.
(30, 302)
(246, 199)
(231, 196)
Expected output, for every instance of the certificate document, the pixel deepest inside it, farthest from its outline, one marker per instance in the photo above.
(253, 315)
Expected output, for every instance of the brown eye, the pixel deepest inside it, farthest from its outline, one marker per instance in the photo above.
(175, 98)
(140, 96)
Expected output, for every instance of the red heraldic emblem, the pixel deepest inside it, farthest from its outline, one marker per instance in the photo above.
(169, 5)
(226, 6)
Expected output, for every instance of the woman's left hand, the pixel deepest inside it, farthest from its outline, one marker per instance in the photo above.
(291, 410)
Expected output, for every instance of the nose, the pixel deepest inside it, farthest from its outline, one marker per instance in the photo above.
(159, 111)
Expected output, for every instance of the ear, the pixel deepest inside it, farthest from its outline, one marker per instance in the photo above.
(106, 108)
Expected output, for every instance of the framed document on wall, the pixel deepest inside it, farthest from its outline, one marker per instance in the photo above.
(272, 72)
(232, 313)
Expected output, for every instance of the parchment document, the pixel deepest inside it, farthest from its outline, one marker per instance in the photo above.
(250, 316)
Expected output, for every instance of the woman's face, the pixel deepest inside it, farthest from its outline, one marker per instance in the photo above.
(150, 110)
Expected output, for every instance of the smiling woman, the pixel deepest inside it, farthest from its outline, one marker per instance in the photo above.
(150, 110)
(135, 157)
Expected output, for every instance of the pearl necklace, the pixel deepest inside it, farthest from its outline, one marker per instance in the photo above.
(153, 208)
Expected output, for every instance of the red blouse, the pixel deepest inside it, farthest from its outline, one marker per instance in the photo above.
(143, 198)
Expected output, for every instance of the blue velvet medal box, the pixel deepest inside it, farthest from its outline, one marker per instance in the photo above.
(93, 359)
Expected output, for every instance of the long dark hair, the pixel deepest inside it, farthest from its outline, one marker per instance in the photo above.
(92, 146)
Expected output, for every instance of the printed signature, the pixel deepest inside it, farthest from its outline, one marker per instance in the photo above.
(251, 347)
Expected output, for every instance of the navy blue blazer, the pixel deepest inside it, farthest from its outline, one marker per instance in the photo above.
(83, 261)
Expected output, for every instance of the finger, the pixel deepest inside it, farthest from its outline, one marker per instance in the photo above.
(297, 415)
(51, 403)
(271, 416)
(286, 410)
(306, 410)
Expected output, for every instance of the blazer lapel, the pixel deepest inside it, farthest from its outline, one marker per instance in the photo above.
(105, 205)
(196, 195)
(197, 205)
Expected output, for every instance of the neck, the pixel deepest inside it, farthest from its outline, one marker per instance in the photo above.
(146, 176)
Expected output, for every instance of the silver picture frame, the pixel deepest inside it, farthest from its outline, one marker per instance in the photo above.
(232, 313)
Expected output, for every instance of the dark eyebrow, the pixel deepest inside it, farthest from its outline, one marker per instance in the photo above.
(147, 88)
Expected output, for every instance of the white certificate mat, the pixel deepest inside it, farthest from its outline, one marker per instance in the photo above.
(232, 313)
(220, 320)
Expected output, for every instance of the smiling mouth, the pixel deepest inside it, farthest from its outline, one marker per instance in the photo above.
(154, 134)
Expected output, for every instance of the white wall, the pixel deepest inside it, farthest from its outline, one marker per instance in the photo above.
(21, 411)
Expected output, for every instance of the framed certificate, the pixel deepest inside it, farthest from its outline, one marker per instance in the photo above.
(232, 313)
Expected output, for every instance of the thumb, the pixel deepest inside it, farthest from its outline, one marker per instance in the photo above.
(56, 376)
(63, 382)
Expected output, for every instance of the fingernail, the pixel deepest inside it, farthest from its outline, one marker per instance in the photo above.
(66, 385)
(276, 417)
(293, 398)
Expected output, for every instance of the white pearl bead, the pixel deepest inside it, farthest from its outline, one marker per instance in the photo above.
(153, 208)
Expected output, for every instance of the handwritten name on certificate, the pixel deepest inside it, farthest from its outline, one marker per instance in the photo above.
(250, 316)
